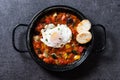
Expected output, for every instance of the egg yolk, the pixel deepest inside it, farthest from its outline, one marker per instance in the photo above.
(56, 38)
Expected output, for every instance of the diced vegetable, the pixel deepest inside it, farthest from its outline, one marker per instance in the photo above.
(47, 20)
(54, 55)
(41, 56)
(69, 21)
(63, 17)
(76, 57)
(65, 55)
(67, 46)
(73, 45)
(56, 62)
(55, 14)
(38, 51)
(52, 19)
(80, 49)
(36, 38)
(70, 56)
(45, 54)
(68, 50)
(62, 61)
(40, 26)
(51, 60)
(74, 51)
(36, 45)
(46, 60)
(43, 46)
(68, 15)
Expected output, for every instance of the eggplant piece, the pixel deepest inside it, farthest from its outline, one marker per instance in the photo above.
(39, 51)
(54, 55)
(70, 21)
(36, 33)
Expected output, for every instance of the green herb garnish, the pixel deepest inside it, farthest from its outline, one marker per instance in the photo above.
(46, 40)
(58, 28)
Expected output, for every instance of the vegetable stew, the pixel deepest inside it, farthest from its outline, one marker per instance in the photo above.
(67, 53)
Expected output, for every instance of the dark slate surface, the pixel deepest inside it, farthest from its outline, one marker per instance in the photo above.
(20, 66)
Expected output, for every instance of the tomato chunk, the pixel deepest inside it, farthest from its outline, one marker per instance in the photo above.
(80, 49)
(47, 20)
(39, 27)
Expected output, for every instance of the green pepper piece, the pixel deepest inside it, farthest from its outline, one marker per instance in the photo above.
(54, 55)
(74, 52)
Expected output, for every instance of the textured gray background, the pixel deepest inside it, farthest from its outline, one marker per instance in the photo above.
(20, 66)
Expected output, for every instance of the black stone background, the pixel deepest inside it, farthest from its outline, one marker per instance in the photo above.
(20, 66)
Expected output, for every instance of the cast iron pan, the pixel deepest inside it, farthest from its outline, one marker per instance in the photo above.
(30, 30)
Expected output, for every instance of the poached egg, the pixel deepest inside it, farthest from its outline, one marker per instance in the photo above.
(56, 36)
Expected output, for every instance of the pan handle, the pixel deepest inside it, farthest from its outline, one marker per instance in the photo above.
(99, 37)
(13, 38)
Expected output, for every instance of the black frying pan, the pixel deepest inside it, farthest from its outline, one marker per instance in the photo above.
(30, 31)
